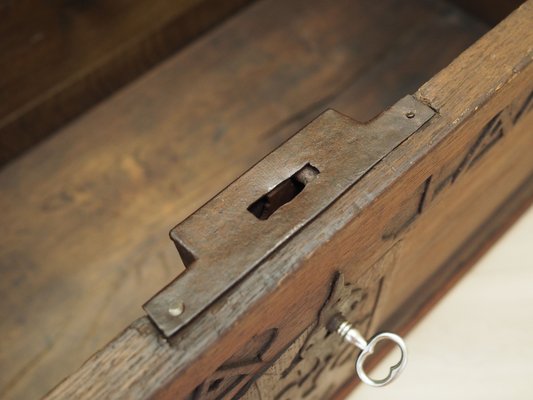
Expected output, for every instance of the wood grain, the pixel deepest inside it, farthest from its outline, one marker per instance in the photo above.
(59, 58)
(461, 161)
(86, 213)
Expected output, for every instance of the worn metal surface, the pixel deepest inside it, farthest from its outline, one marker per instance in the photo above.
(223, 241)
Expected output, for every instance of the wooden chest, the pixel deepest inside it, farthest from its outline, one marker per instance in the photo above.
(372, 220)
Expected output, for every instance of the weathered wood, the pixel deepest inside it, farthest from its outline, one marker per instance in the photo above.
(428, 196)
(59, 58)
(85, 214)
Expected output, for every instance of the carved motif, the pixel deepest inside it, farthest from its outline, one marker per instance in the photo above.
(520, 108)
(322, 351)
(315, 364)
(318, 362)
(234, 371)
(489, 135)
(409, 211)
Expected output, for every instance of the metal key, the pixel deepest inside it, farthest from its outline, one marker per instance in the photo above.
(354, 337)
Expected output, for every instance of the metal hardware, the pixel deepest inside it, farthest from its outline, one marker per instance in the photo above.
(353, 336)
(342, 150)
(177, 310)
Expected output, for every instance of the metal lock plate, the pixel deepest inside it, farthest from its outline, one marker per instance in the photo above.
(233, 233)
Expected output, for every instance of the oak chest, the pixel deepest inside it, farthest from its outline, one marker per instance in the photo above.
(364, 153)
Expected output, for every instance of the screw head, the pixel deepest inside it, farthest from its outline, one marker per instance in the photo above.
(176, 310)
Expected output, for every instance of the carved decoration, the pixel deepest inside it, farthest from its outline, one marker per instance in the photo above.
(489, 135)
(233, 373)
(409, 212)
(323, 352)
(317, 363)
(520, 108)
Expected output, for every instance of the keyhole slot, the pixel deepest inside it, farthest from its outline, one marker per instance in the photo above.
(283, 193)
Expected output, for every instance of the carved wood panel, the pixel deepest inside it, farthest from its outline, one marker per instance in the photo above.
(320, 365)
(316, 363)
(479, 147)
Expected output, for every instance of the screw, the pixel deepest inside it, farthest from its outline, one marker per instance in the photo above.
(177, 310)
(410, 114)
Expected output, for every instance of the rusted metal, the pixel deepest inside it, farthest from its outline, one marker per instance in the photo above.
(225, 240)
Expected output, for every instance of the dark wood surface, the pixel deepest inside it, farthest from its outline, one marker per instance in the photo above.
(86, 213)
(58, 58)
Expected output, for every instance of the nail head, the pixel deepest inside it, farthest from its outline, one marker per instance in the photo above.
(177, 310)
